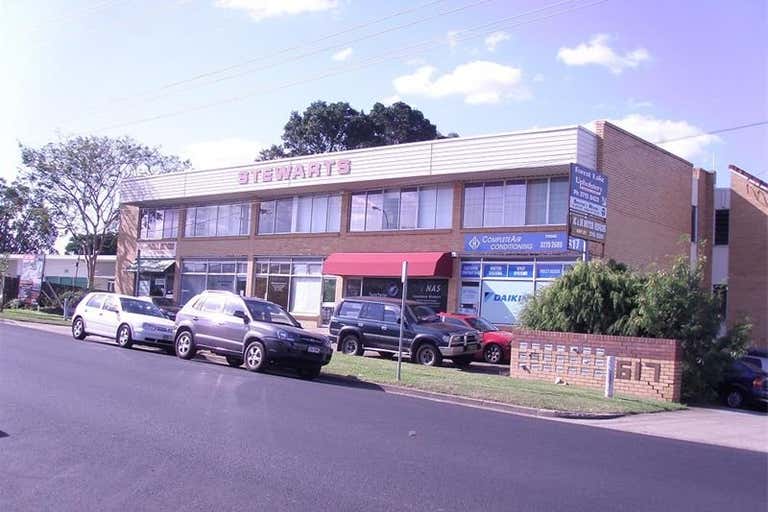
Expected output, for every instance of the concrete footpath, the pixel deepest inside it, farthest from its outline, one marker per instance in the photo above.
(742, 429)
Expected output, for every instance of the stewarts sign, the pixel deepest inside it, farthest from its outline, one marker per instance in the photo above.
(295, 171)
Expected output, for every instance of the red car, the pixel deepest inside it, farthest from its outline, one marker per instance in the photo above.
(495, 342)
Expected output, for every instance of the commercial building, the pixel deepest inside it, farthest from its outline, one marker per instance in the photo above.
(69, 270)
(740, 253)
(481, 220)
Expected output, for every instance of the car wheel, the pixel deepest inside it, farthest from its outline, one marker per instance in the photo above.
(734, 399)
(462, 361)
(123, 337)
(255, 357)
(78, 329)
(493, 354)
(428, 355)
(386, 355)
(185, 345)
(350, 345)
(234, 361)
(309, 373)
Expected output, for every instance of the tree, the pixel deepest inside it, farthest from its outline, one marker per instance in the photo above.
(25, 224)
(399, 123)
(78, 180)
(327, 127)
(674, 304)
(78, 244)
(596, 297)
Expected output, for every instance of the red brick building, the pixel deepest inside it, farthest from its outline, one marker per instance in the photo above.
(740, 254)
(481, 220)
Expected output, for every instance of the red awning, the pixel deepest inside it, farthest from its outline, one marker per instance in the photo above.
(388, 264)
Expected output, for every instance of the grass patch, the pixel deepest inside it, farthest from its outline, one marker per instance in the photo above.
(28, 315)
(483, 386)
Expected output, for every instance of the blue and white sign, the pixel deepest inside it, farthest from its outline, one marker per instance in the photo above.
(494, 270)
(517, 243)
(589, 191)
(520, 271)
(549, 270)
(503, 300)
(470, 270)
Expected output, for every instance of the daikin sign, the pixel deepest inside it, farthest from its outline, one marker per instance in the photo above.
(296, 172)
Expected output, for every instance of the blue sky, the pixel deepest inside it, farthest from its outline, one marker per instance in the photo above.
(661, 69)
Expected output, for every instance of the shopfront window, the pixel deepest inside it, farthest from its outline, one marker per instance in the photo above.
(199, 275)
(157, 224)
(498, 288)
(515, 203)
(301, 214)
(218, 220)
(427, 207)
(294, 283)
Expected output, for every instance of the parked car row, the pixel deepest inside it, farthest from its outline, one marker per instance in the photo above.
(246, 331)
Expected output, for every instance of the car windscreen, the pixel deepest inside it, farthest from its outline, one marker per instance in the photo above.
(163, 302)
(481, 324)
(268, 312)
(140, 307)
(424, 314)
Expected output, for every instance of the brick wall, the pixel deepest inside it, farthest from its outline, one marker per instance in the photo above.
(748, 254)
(126, 248)
(649, 198)
(645, 367)
(706, 222)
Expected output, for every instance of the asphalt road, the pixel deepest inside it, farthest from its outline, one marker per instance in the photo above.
(91, 426)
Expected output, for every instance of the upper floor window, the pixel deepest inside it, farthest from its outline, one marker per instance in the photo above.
(516, 203)
(218, 220)
(428, 207)
(721, 226)
(157, 224)
(301, 214)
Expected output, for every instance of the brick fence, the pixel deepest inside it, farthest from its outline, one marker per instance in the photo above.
(645, 367)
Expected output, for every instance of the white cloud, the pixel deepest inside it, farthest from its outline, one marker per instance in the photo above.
(342, 55)
(538, 77)
(695, 143)
(493, 40)
(221, 152)
(597, 51)
(389, 100)
(263, 9)
(478, 81)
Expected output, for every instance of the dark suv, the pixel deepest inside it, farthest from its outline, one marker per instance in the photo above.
(373, 323)
(251, 331)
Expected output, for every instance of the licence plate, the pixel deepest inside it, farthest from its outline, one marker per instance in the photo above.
(313, 350)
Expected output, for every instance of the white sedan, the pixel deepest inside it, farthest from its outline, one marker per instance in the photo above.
(125, 319)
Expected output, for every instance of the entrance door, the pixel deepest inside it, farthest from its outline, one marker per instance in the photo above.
(469, 297)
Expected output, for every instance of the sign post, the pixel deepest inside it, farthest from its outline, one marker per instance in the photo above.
(610, 375)
(404, 280)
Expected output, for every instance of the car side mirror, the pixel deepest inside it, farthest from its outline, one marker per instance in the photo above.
(241, 314)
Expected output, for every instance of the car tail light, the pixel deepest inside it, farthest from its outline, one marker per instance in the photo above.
(758, 382)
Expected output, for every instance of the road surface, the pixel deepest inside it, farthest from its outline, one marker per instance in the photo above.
(89, 426)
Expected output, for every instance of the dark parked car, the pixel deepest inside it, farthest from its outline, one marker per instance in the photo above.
(251, 331)
(373, 323)
(744, 384)
(165, 304)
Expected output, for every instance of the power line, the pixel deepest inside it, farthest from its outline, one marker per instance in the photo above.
(389, 55)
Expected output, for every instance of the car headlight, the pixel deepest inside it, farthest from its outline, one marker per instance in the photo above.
(285, 335)
(326, 341)
(447, 338)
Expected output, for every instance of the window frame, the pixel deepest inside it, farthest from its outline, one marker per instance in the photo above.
(191, 222)
(172, 226)
(296, 200)
(504, 214)
(414, 216)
